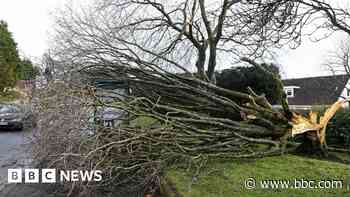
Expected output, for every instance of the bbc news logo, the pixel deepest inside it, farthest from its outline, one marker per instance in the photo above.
(52, 176)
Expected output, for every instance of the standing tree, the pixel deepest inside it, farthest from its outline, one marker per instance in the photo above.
(186, 33)
(178, 35)
(338, 60)
(9, 58)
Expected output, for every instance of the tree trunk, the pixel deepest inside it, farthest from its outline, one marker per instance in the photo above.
(312, 146)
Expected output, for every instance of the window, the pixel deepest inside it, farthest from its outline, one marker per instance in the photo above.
(289, 92)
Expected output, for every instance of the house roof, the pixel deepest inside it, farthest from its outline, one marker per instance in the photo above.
(323, 90)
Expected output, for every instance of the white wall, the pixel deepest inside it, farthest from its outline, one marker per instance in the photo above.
(344, 93)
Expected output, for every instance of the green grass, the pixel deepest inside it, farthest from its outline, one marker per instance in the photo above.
(225, 178)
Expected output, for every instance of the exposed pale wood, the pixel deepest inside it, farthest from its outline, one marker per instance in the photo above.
(327, 117)
(313, 117)
(303, 125)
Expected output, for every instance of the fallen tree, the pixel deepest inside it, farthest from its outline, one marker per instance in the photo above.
(192, 120)
(209, 119)
(145, 42)
(148, 43)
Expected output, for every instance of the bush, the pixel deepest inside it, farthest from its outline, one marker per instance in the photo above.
(338, 129)
(240, 78)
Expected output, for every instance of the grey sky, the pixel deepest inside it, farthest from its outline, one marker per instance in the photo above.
(30, 22)
(308, 59)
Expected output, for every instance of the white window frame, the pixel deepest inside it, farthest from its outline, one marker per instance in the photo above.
(289, 90)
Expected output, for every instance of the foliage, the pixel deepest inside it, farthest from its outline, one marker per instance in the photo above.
(338, 130)
(8, 58)
(25, 70)
(12, 67)
(240, 78)
(225, 178)
(9, 96)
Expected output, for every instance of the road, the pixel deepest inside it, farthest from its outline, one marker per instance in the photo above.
(13, 146)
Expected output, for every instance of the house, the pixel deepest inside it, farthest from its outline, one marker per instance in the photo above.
(304, 93)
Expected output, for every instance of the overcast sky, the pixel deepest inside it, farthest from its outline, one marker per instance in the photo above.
(30, 22)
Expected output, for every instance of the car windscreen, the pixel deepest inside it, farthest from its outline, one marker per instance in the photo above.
(8, 109)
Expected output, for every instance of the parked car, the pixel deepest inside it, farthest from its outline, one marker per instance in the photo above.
(11, 117)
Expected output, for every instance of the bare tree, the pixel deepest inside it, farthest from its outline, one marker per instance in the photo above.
(333, 18)
(152, 44)
(144, 42)
(338, 59)
(179, 34)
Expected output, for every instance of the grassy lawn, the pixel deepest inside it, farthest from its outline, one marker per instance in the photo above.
(225, 178)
